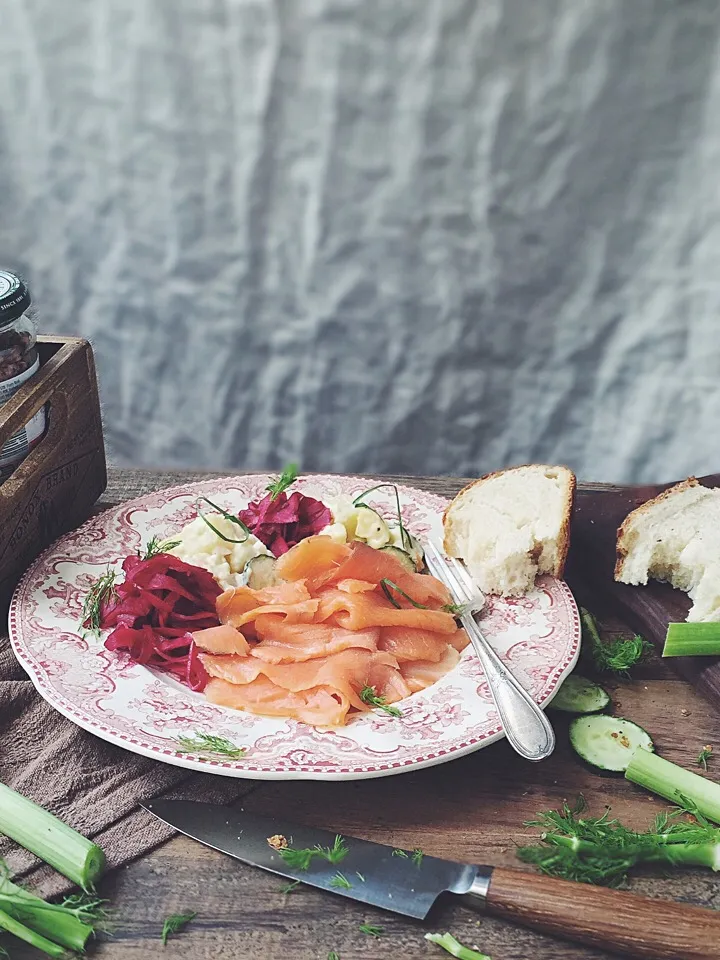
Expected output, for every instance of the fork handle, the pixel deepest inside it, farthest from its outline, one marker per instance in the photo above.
(527, 728)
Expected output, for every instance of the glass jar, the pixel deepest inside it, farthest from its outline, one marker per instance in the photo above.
(19, 360)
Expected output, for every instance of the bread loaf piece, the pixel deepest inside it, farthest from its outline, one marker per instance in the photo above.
(510, 526)
(676, 537)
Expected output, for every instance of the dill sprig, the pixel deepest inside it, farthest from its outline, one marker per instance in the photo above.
(370, 697)
(704, 756)
(400, 853)
(340, 882)
(333, 956)
(290, 887)
(613, 656)
(601, 850)
(301, 859)
(417, 857)
(372, 930)
(228, 516)
(286, 479)
(156, 546)
(102, 590)
(210, 743)
(457, 609)
(174, 923)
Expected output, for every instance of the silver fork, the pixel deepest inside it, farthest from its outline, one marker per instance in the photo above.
(527, 728)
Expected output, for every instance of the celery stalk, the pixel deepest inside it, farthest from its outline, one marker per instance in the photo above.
(675, 784)
(50, 920)
(22, 932)
(692, 640)
(71, 854)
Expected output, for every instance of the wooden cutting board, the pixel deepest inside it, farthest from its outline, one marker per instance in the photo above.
(599, 511)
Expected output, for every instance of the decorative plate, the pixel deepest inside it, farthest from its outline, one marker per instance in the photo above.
(537, 635)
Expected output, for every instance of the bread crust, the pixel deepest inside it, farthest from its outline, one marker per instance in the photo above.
(564, 534)
(621, 550)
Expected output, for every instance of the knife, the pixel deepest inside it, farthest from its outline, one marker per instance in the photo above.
(621, 922)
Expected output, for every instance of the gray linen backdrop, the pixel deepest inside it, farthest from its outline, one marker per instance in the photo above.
(430, 236)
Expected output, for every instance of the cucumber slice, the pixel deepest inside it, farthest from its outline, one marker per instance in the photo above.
(261, 572)
(607, 743)
(402, 555)
(407, 542)
(578, 695)
(371, 527)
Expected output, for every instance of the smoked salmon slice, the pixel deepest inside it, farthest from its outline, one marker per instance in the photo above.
(410, 643)
(317, 706)
(295, 643)
(222, 639)
(420, 674)
(358, 611)
(312, 557)
(365, 563)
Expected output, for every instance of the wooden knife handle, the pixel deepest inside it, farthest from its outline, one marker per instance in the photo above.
(610, 919)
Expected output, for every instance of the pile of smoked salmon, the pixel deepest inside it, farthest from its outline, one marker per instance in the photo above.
(309, 646)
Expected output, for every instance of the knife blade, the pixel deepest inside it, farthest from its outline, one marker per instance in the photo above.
(613, 920)
(376, 877)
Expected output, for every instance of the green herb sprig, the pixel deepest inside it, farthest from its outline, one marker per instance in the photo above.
(372, 930)
(175, 923)
(157, 546)
(301, 859)
(340, 882)
(388, 586)
(400, 853)
(210, 743)
(704, 756)
(290, 887)
(286, 479)
(101, 590)
(616, 656)
(417, 857)
(370, 697)
(228, 516)
(601, 850)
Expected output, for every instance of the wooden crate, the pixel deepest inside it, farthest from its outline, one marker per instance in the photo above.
(55, 487)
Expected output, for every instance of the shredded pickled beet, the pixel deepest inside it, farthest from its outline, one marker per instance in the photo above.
(154, 611)
(286, 520)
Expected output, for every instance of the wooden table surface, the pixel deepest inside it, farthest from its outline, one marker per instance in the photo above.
(471, 809)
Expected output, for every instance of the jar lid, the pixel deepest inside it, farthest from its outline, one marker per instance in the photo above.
(14, 297)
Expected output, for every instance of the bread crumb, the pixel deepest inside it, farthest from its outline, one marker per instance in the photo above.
(684, 712)
(278, 842)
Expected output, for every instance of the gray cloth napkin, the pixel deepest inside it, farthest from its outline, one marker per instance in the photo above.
(92, 785)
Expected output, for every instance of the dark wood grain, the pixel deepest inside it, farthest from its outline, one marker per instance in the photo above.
(472, 809)
(53, 489)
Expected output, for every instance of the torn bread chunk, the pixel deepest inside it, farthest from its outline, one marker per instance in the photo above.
(676, 537)
(510, 526)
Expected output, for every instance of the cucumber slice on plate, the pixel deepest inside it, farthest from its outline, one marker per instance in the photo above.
(402, 555)
(261, 572)
(607, 743)
(579, 695)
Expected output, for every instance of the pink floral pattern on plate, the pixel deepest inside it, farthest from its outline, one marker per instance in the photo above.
(129, 705)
